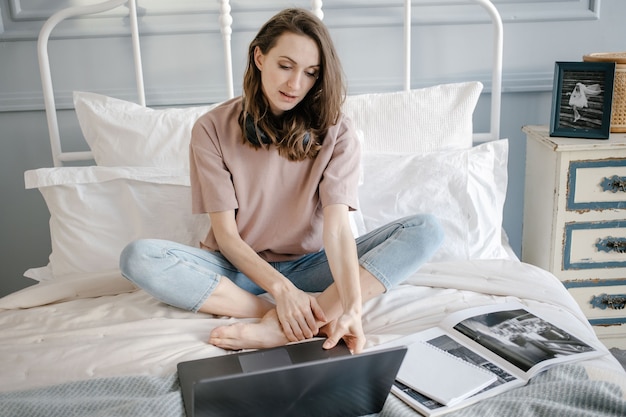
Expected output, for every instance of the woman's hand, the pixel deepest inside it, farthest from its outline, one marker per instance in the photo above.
(349, 328)
(299, 313)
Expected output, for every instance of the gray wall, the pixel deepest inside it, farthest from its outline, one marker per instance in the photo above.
(369, 39)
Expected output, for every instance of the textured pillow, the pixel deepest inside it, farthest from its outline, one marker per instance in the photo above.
(122, 133)
(465, 189)
(421, 120)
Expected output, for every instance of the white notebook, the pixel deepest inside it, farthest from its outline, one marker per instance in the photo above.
(440, 375)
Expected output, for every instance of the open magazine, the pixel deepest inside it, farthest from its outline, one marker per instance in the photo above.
(507, 340)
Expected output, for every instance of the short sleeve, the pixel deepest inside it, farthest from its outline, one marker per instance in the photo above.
(211, 183)
(340, 181)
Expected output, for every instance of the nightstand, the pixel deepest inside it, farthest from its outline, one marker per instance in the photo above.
(575, 222)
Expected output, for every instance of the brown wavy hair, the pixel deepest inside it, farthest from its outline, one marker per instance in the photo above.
(319, 109)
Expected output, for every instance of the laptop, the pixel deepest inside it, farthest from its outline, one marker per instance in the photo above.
(301, 379)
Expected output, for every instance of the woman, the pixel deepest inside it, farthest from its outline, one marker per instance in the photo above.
(277, 172)
(578, 97)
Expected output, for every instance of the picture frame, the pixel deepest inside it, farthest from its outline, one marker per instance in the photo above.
(582, 99)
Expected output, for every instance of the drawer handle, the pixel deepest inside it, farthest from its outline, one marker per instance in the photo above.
(614, 184)
(612, 244)
(604, 301)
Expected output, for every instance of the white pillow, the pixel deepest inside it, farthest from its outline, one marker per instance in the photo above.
(421, 120)
(465, 189)
(122, 133)
(96, 211)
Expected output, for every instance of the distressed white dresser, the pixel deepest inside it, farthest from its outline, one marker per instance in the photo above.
(575, 222)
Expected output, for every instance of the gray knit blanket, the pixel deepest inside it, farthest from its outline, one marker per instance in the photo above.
(560, 391)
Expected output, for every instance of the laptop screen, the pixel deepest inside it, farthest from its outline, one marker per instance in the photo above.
(272, 383)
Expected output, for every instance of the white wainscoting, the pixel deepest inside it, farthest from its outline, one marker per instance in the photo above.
(23, 17)
(441, 52)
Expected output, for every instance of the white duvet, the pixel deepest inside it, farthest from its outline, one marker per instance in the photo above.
(133, 334)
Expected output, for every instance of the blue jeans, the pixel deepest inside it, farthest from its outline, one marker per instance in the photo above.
(185, 276)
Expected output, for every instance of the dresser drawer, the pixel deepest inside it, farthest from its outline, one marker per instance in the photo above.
(597, 184)
(600, 244)
(602, 301)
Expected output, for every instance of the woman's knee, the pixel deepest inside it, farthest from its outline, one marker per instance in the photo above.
(427, 227)
(433, 224)
(137, 258)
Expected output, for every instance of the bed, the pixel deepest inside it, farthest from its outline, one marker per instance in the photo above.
(84, 341)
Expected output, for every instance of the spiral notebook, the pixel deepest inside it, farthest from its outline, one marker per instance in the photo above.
(441, 376)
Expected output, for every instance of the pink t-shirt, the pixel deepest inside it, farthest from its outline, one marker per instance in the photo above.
(278, 202)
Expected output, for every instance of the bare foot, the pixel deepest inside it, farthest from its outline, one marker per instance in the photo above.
(264, 334)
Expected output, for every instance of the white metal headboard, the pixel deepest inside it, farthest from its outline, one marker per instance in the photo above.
(58, 156)
(225, 23)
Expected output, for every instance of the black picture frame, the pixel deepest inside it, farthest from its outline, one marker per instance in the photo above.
(581, 99)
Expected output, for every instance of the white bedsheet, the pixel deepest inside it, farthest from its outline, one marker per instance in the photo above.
(133, 334)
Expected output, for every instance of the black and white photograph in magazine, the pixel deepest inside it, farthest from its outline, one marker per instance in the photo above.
(520, 337)
(581, 99)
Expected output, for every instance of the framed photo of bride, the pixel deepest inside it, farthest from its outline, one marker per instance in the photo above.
(581, 99)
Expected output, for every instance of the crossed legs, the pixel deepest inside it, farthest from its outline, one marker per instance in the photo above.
(197, 280)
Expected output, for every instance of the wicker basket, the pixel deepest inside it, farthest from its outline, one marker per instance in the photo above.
(618, 115)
